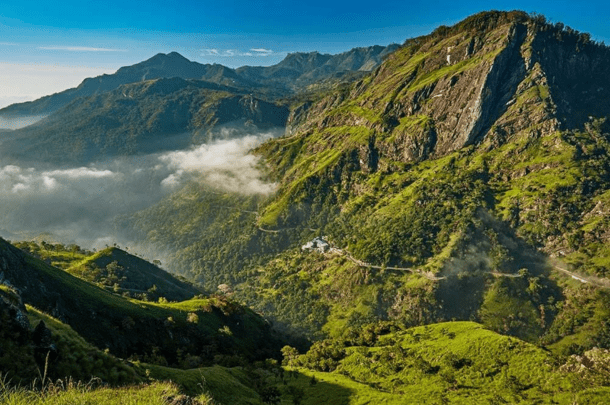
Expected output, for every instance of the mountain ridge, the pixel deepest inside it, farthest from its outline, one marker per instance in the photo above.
(158, 66)
(143, 117)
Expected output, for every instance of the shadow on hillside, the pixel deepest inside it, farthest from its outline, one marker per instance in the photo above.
(494, 256)
(319, 388)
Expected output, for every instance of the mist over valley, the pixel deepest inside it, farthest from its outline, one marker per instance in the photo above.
(80, 204)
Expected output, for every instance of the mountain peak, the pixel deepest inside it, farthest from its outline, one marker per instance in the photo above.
(161, 58)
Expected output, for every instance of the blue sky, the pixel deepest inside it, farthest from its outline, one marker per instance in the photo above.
(47, 46)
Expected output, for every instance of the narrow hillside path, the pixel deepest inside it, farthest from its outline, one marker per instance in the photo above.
(603, 283)
(360, 263)
(596, 281)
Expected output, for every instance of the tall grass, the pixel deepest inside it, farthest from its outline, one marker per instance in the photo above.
(70, 392)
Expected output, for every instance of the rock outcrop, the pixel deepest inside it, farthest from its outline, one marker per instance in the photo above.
(488, 78)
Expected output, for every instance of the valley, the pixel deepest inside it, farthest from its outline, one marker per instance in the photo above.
(416, 223)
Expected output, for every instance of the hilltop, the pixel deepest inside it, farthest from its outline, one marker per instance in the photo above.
(130, 327)
(115, 270)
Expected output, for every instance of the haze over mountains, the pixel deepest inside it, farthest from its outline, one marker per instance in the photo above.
(460, 185)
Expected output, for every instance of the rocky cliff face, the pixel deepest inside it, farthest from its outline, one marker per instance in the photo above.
(523, 98)
(479, 80)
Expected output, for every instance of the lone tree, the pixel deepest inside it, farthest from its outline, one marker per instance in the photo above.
(270, 395)
(297, 394)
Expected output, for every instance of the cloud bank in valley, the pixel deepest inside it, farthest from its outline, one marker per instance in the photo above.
(224, 164)
(78, 204)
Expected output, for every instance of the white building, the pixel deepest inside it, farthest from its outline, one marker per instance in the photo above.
(317, 244)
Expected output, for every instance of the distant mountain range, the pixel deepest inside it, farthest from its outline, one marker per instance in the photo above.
(169, 102)
(295, 72)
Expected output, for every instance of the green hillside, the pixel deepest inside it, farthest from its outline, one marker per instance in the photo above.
(449, 179)
(136, 118)
(166, 333)
(455, 362)
(114, 268)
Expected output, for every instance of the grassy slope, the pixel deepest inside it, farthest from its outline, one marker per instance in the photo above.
(56, 254)
(154, 394)
(129, 326)
(78, 359)
(129, 274)
(458, 362)
(114, 268)
(455, 362)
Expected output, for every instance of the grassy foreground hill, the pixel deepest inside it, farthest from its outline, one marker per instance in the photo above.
(455, 362)
(115, 270)
(168, 333)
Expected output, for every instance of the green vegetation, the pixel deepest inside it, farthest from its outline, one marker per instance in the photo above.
(452, 184)
(456, 362)
(470, 223)
(55, 254)
(70, 392)
(163, 333)
(114, 270)
(72, 357)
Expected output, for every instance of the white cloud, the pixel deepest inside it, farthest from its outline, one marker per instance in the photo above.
(225, 164)
(209, 52)
(81, 172)
(18, 179)
(79, 49)
(20, 187)
(256, 52)
(262, 51)
(80, 203)
(49, 182)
